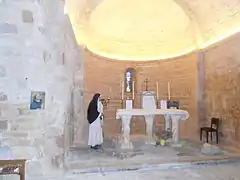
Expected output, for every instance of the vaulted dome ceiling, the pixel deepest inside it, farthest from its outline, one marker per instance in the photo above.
(152, 29)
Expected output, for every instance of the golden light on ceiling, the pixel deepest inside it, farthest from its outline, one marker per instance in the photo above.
(153, 29)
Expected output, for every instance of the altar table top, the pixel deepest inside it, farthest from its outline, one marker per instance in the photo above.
(145, 112)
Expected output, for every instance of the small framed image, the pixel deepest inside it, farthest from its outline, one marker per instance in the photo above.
(37, 100)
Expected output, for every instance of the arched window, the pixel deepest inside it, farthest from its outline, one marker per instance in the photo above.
(130, 76)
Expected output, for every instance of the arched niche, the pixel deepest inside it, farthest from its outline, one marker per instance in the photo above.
(130, 77)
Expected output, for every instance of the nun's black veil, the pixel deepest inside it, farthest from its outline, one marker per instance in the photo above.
(92, 112)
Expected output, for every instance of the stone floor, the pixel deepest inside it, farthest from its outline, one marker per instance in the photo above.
(144, 162)
(226, 171)
(213, 172)
(113, 157)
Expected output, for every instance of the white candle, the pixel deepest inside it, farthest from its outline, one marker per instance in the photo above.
(133, 84)
(110, 91)
(122, 87)
(169, 94)
(157, 90)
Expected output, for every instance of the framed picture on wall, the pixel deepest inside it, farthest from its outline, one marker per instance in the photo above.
(37, 100)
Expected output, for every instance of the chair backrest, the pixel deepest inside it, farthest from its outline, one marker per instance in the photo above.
(215, 123)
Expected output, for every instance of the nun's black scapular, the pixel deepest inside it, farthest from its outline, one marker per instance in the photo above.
(92, 112)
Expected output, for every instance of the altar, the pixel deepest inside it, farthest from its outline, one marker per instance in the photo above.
(169, 114)
(149, 109)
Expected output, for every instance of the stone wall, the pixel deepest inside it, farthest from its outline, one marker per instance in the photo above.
(205, 83)
(38, 52)
(222, 87)
(101, 75)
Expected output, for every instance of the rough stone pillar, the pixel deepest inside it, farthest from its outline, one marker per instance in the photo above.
(38, 53)
(81, 125)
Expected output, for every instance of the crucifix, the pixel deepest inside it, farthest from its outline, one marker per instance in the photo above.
(146, 84)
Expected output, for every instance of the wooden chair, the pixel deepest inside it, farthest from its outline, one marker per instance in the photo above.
(213, 129)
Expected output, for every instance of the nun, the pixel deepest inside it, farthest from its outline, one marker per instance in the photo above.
(95, 119)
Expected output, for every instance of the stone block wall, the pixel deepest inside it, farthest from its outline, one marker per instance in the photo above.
(222, 73)
(101, 75)
(38, 52)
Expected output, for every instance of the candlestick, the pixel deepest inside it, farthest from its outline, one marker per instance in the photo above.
(169, 93)
(122, 104)
(133, 84)
(157, 90)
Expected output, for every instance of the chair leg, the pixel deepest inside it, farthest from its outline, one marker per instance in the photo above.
(211, 136)
(217, 137)
(207, 135)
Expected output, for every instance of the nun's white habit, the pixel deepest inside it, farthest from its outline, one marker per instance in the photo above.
(95, 110)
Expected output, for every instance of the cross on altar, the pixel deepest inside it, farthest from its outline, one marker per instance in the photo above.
(146, 84)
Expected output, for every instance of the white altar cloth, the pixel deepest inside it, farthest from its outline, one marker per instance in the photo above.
(142, 112)
(126, 114)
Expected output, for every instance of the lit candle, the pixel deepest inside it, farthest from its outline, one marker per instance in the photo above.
(169, 94)
(133, 84)
(157, 90)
